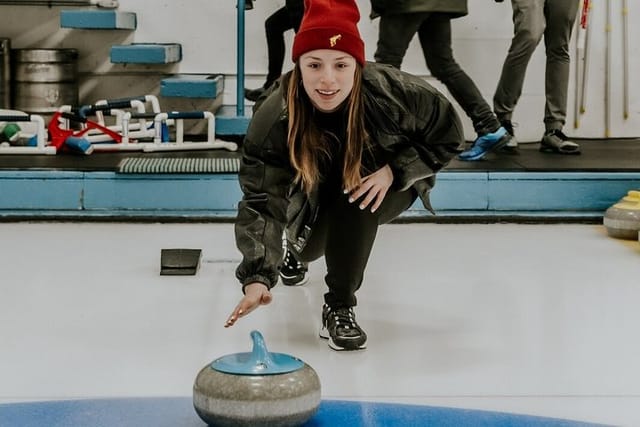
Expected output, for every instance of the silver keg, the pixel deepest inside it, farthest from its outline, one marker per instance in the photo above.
(44, 79)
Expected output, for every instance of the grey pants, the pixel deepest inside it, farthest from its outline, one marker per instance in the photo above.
(533, 19)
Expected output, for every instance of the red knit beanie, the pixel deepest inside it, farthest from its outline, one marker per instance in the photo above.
(329, 24)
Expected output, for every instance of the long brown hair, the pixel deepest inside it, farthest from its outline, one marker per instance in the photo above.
(306, 143)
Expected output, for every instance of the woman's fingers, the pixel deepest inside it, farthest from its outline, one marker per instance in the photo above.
(266, 298)
(379, 200)
(237, 313)
(375, 186)
(247, 304)
(370, 196)
(371, 190)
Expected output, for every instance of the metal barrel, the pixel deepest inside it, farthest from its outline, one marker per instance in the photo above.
(44, 79)
(5, 73)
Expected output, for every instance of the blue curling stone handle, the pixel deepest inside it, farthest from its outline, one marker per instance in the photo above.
(259, 362)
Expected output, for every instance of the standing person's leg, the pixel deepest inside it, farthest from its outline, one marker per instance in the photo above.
(529, 24)
(435, 39)
(275, 26)
(296, 11)
(345, 234)
(560, 15)
(395, 34)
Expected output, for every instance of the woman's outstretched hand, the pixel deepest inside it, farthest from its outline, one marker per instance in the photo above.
(255, 295)
(374, 186)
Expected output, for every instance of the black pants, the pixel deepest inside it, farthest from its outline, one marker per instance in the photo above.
(281, 21)
(344, 234)
(434, 32)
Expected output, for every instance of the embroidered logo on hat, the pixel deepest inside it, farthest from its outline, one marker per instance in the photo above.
(334, 40)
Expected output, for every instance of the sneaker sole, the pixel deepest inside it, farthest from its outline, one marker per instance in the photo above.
(556, 150)
(324, 334)
(286, 281)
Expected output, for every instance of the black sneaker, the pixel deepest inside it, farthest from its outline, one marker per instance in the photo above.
(510, 147)
(292, 271)
(508, 126)
(254, 94)
(554, 141)
(340, 328)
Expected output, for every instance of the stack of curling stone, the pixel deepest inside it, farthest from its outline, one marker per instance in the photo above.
(256, 389)
(622, 220)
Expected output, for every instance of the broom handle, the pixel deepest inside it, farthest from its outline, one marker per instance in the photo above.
(625, 58)
(576, 104)
(584, 23)
(607, 73)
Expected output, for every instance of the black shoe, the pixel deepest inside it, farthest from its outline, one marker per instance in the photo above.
(554, 141)
(340, 328)
(254, 94)
(512, 146)
(292, 271)
(508, 126)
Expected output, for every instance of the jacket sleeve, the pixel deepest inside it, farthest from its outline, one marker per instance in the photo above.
(265, 177)
(434, 136)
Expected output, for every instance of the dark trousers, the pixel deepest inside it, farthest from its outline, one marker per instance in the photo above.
(434, 32)
(281, 21)
(344, 234)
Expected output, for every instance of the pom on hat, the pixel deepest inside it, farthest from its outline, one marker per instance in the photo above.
(329, 24)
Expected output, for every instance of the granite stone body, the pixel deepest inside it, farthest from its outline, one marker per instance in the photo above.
(622, 220)
(256, 389)
(290, 399)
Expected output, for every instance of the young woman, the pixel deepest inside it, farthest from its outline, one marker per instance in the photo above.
(336, 149)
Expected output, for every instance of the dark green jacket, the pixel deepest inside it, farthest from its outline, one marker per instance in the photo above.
(411, 122)
(455, 8)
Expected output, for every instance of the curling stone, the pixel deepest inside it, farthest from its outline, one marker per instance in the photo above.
(622, 220)
(256, 389)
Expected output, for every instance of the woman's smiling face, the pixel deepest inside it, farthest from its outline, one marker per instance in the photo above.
(327, 77)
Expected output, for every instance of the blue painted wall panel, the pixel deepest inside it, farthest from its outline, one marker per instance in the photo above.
(45, 193)
(562, 192)
(41, 190)
(459, 191)
(162, 192)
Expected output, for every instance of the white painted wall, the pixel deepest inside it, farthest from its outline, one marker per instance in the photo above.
(207, 31)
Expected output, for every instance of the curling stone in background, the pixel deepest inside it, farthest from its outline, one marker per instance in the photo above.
(257, 388)
(622, 220)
